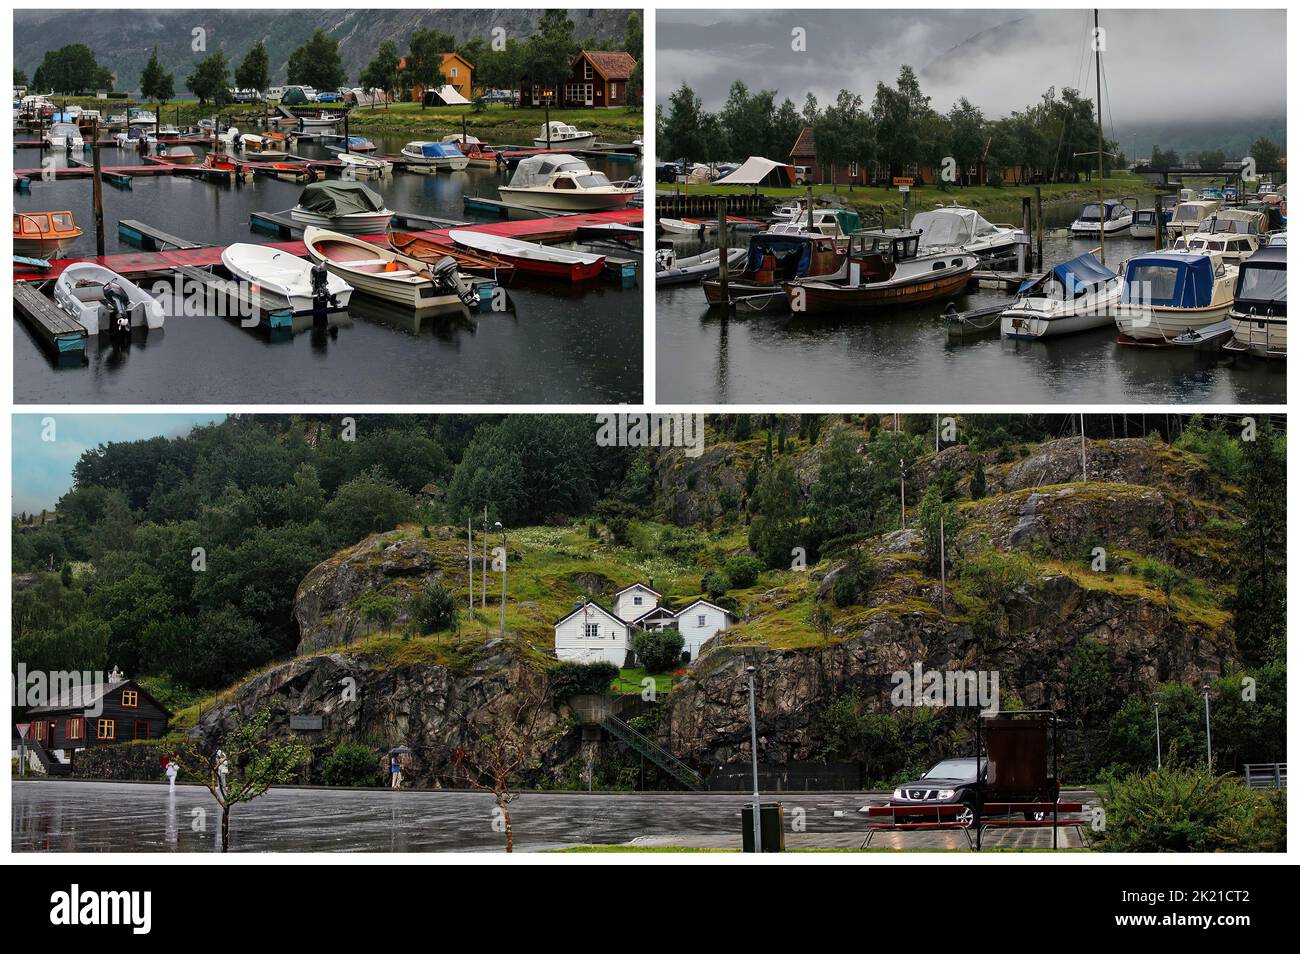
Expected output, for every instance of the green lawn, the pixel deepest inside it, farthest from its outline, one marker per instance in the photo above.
(629, 681)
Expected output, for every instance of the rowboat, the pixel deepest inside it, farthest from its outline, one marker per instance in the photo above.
(289, 171)
(364, 166)
(43, 234)
(427, 250)
(103, 301)
(386, 274)
(288, 276)
(342, 206)
(531, 257)
(671, 270)
(681, 226)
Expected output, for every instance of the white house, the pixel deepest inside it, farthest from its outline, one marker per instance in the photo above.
(635, 601)
(590, 634)
(700, 622)
(661, 617)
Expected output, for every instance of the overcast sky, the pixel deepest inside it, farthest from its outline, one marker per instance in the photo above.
(1158, 65)
(42, 470)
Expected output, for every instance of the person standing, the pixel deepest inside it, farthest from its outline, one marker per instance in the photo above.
(395, 770)
(172, 771)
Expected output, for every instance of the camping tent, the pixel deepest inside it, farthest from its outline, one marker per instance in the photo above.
(757, 171)
(446, 96)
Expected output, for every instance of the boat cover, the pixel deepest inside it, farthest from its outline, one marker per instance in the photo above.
(439, 150)
(951, 226)
(1261, 283)
(340, 197)
(793, 253)
(1170, 280)
(759, 171)
(1077, 275)
(534, 171)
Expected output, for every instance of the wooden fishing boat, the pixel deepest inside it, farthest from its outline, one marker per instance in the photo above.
(531, 257)
(430, 251)
(884, 267)
(43, 234)
(385, 274)
(774, 259)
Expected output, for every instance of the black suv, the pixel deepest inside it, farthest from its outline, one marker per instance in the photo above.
(952, 782)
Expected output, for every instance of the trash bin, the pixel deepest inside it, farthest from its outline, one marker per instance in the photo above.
(771, 817)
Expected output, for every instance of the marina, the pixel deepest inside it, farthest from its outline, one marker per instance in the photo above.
(275, 356)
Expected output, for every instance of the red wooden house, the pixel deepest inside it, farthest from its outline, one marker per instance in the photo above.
(597, 79)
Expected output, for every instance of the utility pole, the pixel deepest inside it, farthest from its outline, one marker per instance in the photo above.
(753, 754)
(902, 492)
(469, 552)
(1157, 736)
(1209, 754)
(943, 571)
(503, 578)
(483, 575)
(1101, 142)
(1083, 442)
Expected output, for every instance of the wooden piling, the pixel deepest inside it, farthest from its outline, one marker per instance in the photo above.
(1038, 222)
(97, 190)
(1026, 230)
(723, 270)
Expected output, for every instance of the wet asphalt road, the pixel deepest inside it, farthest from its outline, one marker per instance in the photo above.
(106, 816)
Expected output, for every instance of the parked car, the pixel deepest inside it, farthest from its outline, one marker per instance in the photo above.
(952, 782)
(801, 175)
(328, 97)
(667, 171)
(499, 96)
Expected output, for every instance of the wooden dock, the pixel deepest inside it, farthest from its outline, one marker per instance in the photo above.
(681, 205)
(1009, 281)
(273, 312)
(64, 338)
(284, 225)
(149, 238)
(477, 203)
(120, 179)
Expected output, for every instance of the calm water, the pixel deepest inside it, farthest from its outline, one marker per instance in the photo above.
(563, 344)
(906, 355)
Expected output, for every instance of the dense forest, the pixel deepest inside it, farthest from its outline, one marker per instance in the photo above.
(178, 559)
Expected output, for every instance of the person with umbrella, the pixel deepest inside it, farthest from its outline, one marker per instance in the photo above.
(395, 764)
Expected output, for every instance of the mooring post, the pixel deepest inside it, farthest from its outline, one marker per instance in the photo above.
(1023, 247)
(723, 277)
(1038, 223)
(347, 138)
(97, 190)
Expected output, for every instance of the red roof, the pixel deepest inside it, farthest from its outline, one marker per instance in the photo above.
(612, 66)
(803, 146)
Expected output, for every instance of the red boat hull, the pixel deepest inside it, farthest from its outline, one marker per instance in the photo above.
(561, 270)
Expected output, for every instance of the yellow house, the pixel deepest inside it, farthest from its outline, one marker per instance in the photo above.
(457, 72)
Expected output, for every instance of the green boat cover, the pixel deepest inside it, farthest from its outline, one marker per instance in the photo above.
(340, 197)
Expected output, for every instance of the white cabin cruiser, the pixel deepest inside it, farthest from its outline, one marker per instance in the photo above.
(62, 135)
(1189, 215)
(1258, 312)
(103, 301)
(434, 157)
(562, 182)
(558, 135)
(1235, 233)
(1111, 217)
(1077, 295)
(1167, 294)
(951, 226)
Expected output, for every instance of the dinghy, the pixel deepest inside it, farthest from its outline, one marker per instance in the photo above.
(364, 166)
(285, 275)
(383, 273)
(103, 301)
(431, 252)
(532, 258)
(671, 270)
(681, 226)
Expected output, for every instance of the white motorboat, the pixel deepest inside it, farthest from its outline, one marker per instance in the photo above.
(63, 135)
(285, 275)
(562, 182)
(434, 157)
(1189, 215)
(951, 226)
(1145, 223)
(103, 301)
(671, 270)
(1167, 294)
(140, 117)
(1236, 233)
(342, 206)
(363, 166)
(1111, 217)
(786, 213)
(1258, 313)
(558, 135)
(681, 226)
(392, 276)
(1077, 295)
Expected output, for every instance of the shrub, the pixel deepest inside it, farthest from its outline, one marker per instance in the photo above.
(659, 650)
(743, 571)
(844, 591)
(434, 608)
(570, 679)
(351, 764)
(715, 584)
(1181, 809)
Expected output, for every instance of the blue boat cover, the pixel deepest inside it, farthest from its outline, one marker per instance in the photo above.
(440, 150)
(1076, 275)
(783, 248)
(1170, 279)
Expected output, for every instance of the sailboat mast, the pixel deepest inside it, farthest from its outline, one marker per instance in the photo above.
(1101, 147)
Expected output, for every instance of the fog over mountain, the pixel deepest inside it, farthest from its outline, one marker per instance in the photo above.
(1161, 70)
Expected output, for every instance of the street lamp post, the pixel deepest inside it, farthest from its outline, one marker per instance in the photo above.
(1209, 755)
(503, 578)
(753, 753)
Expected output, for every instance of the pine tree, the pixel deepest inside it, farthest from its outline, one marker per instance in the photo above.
(1259, 609)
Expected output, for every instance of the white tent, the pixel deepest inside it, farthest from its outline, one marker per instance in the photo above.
(447, 96)
(759, 171)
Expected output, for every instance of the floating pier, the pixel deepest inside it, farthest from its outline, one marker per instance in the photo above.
(64, 338)
(149, 238)
(273, 313)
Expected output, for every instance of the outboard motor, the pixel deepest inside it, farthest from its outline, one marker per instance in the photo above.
(322, 299)
(118, 306)
(446, 272)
